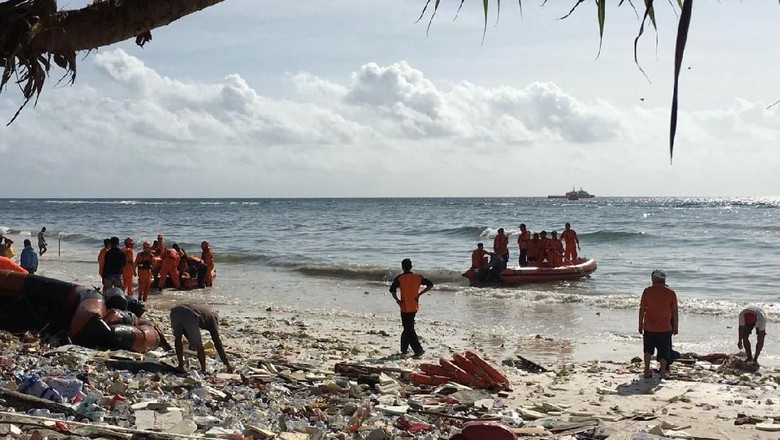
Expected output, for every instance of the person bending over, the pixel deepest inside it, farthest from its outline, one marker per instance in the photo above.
(749, 318)
(188, 320)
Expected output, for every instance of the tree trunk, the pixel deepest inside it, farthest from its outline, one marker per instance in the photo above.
(108, 22)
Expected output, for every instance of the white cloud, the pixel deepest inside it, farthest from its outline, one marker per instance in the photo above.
(389, 130)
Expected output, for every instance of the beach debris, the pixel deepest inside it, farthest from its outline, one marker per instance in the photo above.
(318, 388)
(467, 368)
(524, 364)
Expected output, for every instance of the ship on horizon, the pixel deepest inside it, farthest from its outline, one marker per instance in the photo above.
(573, 195)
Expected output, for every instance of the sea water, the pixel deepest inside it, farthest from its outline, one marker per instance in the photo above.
(339, 255)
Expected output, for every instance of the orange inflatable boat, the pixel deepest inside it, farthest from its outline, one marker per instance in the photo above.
(531, 274)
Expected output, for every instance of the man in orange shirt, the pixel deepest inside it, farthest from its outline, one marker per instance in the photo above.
(523, 243)
(501, 245)
(554, 250)
(102, 256)
(143, 265)
(409, 283)
(478, 257)
(170, 264)
(129, 270)
(569, 237)
(208, 257)
(658, 321)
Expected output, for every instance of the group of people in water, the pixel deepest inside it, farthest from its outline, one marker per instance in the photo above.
(155, 265)
(534, 249)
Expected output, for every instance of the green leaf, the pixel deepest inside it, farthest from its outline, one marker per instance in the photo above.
(485, 8)
(601, 4)
(682, 39)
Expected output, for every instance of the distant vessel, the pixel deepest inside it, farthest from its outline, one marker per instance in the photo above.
(573, 195)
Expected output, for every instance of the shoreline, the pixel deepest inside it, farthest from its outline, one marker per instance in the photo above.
(588, 380)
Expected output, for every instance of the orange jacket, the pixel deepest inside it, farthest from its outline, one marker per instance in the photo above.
(501, 244)
(409, 283)
(524, 239)
(478, 258)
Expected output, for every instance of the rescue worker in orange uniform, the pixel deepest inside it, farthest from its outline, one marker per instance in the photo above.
(129, 271)
(541, 252)
(102, 256)
(478, 257)
(572, 242)
(170, 263)
(501, 245)
(554, 250)
(533, 250)
(208, 257)
(409, 283)
(523, 242)
(159, 246)
(143, 265)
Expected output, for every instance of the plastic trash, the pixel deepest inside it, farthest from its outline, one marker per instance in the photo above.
(33, 385)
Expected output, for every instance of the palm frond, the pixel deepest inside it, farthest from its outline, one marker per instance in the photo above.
(682, 39)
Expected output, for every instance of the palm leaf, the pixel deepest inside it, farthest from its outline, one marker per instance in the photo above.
(602, 12)
(682, 39)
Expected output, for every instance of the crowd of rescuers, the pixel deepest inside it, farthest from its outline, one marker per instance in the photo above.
(536, 250)
(155, 265)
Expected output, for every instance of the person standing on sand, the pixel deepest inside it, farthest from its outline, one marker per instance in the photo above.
(409, 283)
(572, 242)
(208, 258)
(752, 317)
(188, 320)
(113, 265)
(129, 270)
(501, 245)
(143, 266)
(658, 321)
(102, 256)
(28, 260)
(42, 241)
(523, 243)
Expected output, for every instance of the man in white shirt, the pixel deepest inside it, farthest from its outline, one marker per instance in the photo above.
(752, 317)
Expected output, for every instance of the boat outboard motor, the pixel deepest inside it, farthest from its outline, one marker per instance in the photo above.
(494, 267)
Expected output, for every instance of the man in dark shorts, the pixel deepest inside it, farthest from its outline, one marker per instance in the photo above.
(188, 320)
(113, 265)
(409, 284)
(657, 321)
(749, 318)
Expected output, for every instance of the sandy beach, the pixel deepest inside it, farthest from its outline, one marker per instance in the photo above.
(605, 398)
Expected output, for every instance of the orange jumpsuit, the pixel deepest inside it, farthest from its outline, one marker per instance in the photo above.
(478, 258)
(170, 263)
(570, 238)
(143, 264)
(101, 260)
(128, 272)
(554, 252)
(208, 258)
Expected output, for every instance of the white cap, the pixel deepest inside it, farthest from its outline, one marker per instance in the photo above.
(659, 275)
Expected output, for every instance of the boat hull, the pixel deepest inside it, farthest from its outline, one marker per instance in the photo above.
(522, 275)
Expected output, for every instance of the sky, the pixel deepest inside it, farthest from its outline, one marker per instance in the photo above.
(356, 98)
